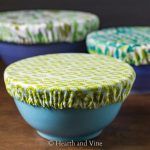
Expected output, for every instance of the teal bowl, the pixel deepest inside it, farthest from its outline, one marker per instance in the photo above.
(68, 124)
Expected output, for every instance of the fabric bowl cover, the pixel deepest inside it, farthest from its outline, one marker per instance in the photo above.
(69, 81)
(46, 26)
(130, 44)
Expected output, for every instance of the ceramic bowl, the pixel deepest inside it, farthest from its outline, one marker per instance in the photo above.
(10, 52)
(36, 32)
(68, 124)
(67, 97)
(129, 44)
(142, 82)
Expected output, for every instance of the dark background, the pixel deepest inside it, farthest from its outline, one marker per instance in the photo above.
(111, 12)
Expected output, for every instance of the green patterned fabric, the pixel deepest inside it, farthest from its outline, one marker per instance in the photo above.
(69, 80)
(130, 44)
(46, 26)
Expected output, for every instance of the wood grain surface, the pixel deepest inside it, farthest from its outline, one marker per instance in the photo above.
(129, 131)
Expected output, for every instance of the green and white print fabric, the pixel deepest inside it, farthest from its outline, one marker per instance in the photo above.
(130, 44)
(46, 26)
(69, 81)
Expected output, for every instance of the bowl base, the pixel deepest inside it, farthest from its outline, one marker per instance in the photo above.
(65, 139)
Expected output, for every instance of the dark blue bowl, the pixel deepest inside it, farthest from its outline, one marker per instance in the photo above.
(68, 124)
(10, 52)
(142, 82)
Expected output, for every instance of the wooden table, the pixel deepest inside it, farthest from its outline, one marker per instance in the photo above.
(129, 131)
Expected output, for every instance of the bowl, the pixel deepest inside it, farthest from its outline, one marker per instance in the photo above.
(35, 32)
(11, 52)
(142, 82)
(68, 124)
(128, 44)
(67, 97)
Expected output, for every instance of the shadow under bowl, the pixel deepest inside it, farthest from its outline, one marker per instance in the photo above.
(68, 124)
(142, 82)
(11, 52)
